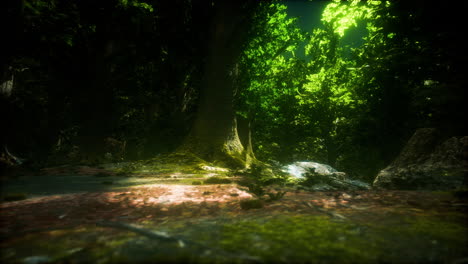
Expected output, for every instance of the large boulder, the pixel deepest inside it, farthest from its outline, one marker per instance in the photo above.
(321, 177)
(426, 162)
(300, 168)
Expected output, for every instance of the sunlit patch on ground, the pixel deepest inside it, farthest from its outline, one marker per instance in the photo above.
(177, 194)
(136, 203)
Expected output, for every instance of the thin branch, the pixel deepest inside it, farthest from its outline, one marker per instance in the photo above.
(181, 242)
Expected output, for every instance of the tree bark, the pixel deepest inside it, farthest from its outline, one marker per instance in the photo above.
(214, 136)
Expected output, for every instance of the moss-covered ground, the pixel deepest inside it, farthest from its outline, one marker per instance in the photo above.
(174, 220)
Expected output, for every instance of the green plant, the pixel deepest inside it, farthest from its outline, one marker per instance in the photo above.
(275, 196)
(196, 183)
(254, 187)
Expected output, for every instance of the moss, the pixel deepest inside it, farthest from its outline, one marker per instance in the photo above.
(420, 239)
(292, 239)
(179, 162)
(78, 245)
(15, 196)
(270, 238)
(196, 183)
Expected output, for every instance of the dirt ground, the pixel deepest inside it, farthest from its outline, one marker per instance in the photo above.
(87, 218)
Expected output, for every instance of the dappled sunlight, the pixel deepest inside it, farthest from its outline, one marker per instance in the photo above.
(153, 194)
(154, 201)
(195, 211)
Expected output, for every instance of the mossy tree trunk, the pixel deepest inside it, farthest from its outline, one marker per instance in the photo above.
(214, 136)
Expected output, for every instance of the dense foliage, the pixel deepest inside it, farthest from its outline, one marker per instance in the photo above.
(354, 105)
(128, 73)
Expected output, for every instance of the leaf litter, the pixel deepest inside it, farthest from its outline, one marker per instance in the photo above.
(198, 216)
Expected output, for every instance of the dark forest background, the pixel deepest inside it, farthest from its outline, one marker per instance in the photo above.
(104, 81)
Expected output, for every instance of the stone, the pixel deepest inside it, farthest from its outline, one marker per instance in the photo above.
(322, 177)
(427, 163)
(300, 168)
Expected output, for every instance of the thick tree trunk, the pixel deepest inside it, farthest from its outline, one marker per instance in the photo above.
(214, 135)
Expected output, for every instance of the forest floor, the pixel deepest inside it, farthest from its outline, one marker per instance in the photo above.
(84, 216)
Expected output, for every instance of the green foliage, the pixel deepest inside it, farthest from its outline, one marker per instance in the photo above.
(137, 4)
(137, 66)
(254, 187)
(338, 106)
(257, 179)
(275, 196)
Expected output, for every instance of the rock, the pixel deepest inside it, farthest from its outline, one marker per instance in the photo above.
(321, 187)
(217, 169)
(426, 162)
(322, 177)
(300, 168)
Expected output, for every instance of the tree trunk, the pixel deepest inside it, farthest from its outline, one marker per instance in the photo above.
(214, 135)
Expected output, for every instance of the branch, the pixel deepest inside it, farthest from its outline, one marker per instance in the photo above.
(181, 243)
(142, 231)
